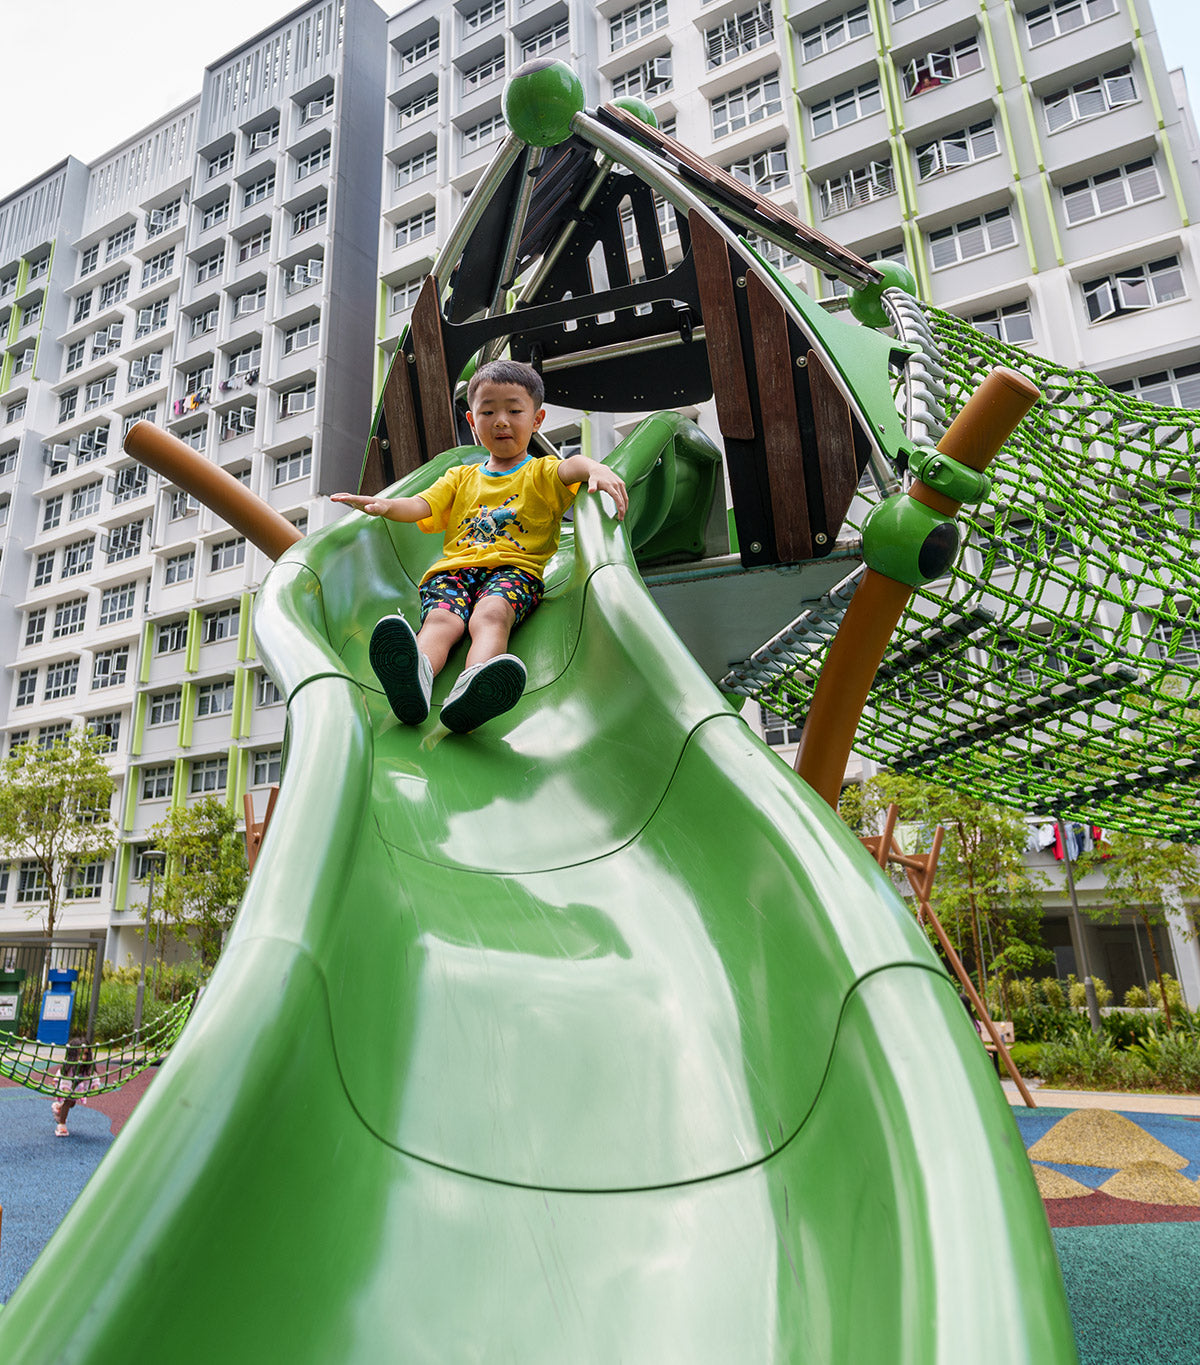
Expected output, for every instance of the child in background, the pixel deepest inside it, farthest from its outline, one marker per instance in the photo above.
(501, 521)
(76, 1076)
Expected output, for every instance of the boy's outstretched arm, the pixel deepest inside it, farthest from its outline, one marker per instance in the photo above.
(598, 477)
(395, 509)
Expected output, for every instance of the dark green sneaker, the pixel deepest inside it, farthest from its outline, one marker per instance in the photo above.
(482, 692)
(406, 674)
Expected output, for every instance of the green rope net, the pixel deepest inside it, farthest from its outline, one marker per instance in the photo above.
(37, 1065)
(1057, 669)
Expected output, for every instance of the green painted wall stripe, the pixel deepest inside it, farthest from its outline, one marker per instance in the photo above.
(1156, 105)
(121, 880)
(236, 720)
(187, 714)
(178, 792)
(235, 777)
(134, 780)
(141, 707)
(191, 660)
(147, 652)
(245, 607)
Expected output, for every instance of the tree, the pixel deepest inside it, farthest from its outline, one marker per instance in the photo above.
(1148, 877)
(55, 814)
(205, 873)
(987, 899)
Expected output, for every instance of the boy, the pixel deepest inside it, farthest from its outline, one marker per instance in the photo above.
(501, 521)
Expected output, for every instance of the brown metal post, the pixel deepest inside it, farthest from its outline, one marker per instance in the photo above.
(260, 523)
(985, 422)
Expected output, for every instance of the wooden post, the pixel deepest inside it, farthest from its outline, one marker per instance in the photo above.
(256, 830)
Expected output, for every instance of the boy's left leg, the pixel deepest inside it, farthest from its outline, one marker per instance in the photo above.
(493, 680)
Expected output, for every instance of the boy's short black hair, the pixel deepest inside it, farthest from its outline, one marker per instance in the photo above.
(508, 372)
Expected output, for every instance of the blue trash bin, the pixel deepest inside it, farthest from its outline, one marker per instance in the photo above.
(58, 1005)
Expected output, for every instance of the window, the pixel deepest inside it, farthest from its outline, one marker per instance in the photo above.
(645, 81)
(289, 468)
(953, 150)
(1176, 388)
(972, 237)
(69, 617)
(481, 133)
(1111, 191)
(31, 883)
(303, 399)
(67, 403)
(1090, 98)
(43, 569)
(636, 22)
(1013, 323)
(304, 220)
(35, 626)
(484, 14)
(1064, 16)
(311, 162)
(163, 219)
(86, 881)
(302, 335)
(61, 680)
(89, 260)
(209, 268)
(776, 730)
(52, 512)
(91, 445)
(166, 707)
(227, 554)
(412, 229)
(215, 698)
(301, 276)
(250, 302)
(119, 243)
(317, 108)
(264, 137)
(31, 314)
(1178, 642)
(214, 214)
(109, 667)
(23, 361)
(246, 361)
(129, 482)
(105, 340)
(8, 460)
(83, 307)
(107, 726)
(200, 379)
(901, 9)
(85, 500)
(50, 735)
(1133, 289)
(256, 245)
(422, 48)
(77, 558)
(747, 104)
(847, 107)
(114, 291)
(267, 693)
(221, 162)
(75, 355)
(742, 33)
(939, 68)
(99, 392)
(181, 505)
(171, 636)
(208, 775)
(152, 318)
(267, 766)
(547, 39)
(203, 322)
(888, 253)
(179, 569)
(158, 267)
(491, 69)
(832, 34)
(258, 191)
(401, 297)
(237, 422)
(158, 783)
(124, 542)
(13, 412)
(859, 186)
(780, 258)
(130, 420)
(26, 686)
(145, 370)
(118, 604)
(220, 625)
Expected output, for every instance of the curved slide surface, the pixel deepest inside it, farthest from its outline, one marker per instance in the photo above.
(591, 1036)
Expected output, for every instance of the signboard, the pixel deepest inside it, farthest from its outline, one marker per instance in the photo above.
(8, 1008)
(58, 1005)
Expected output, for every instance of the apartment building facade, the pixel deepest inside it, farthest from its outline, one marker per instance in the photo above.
(1034, 165)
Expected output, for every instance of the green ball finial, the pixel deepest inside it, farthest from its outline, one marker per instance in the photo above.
(864, 302)
(540, 101)
(638, 108)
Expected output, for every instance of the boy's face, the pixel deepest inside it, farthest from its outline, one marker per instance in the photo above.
(504, 419)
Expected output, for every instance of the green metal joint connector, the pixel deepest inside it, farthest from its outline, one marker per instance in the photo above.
(950, 477)
(865, 302)
(905, 540)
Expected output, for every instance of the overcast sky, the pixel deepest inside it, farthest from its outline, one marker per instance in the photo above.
(83, 75)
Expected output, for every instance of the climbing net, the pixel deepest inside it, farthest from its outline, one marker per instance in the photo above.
(37, 1065)
(1057, 669)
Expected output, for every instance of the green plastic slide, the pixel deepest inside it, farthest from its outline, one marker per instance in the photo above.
(592, 1036)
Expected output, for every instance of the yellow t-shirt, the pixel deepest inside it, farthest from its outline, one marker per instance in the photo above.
(494, 520)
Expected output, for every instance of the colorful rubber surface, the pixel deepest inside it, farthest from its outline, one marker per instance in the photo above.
(590, 1036)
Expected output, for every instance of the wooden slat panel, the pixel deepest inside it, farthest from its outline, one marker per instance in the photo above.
(437, 398)
(725, 359)
(374, 479)
(781, 428)
(400, 417)
(835, 442)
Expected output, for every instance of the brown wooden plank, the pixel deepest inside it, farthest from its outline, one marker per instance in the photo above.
(721, 334)
(835, 443)
(400, 417)
(781, 428)
(433, 384)
(374, 479)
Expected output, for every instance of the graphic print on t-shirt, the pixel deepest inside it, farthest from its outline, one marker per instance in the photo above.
(489, 524)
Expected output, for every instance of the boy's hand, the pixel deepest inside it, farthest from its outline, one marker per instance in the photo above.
(603, 480)
(395, 509)
(373, 507)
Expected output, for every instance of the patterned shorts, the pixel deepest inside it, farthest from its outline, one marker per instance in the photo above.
(458, 590)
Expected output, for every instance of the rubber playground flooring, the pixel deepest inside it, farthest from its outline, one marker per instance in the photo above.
(1121, 1188)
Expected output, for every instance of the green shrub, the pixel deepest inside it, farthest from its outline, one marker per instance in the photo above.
(1044, 1025)
(1172, 1058)
(1174, 994)
(1077, 994)
(1103, 994)
(1053, 993)
(1027, 1057)
(1136, 998)
(1090, 1061)
(118, 1007)
(1126, 1030)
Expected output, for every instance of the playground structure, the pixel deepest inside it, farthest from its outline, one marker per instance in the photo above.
(594, 1035)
